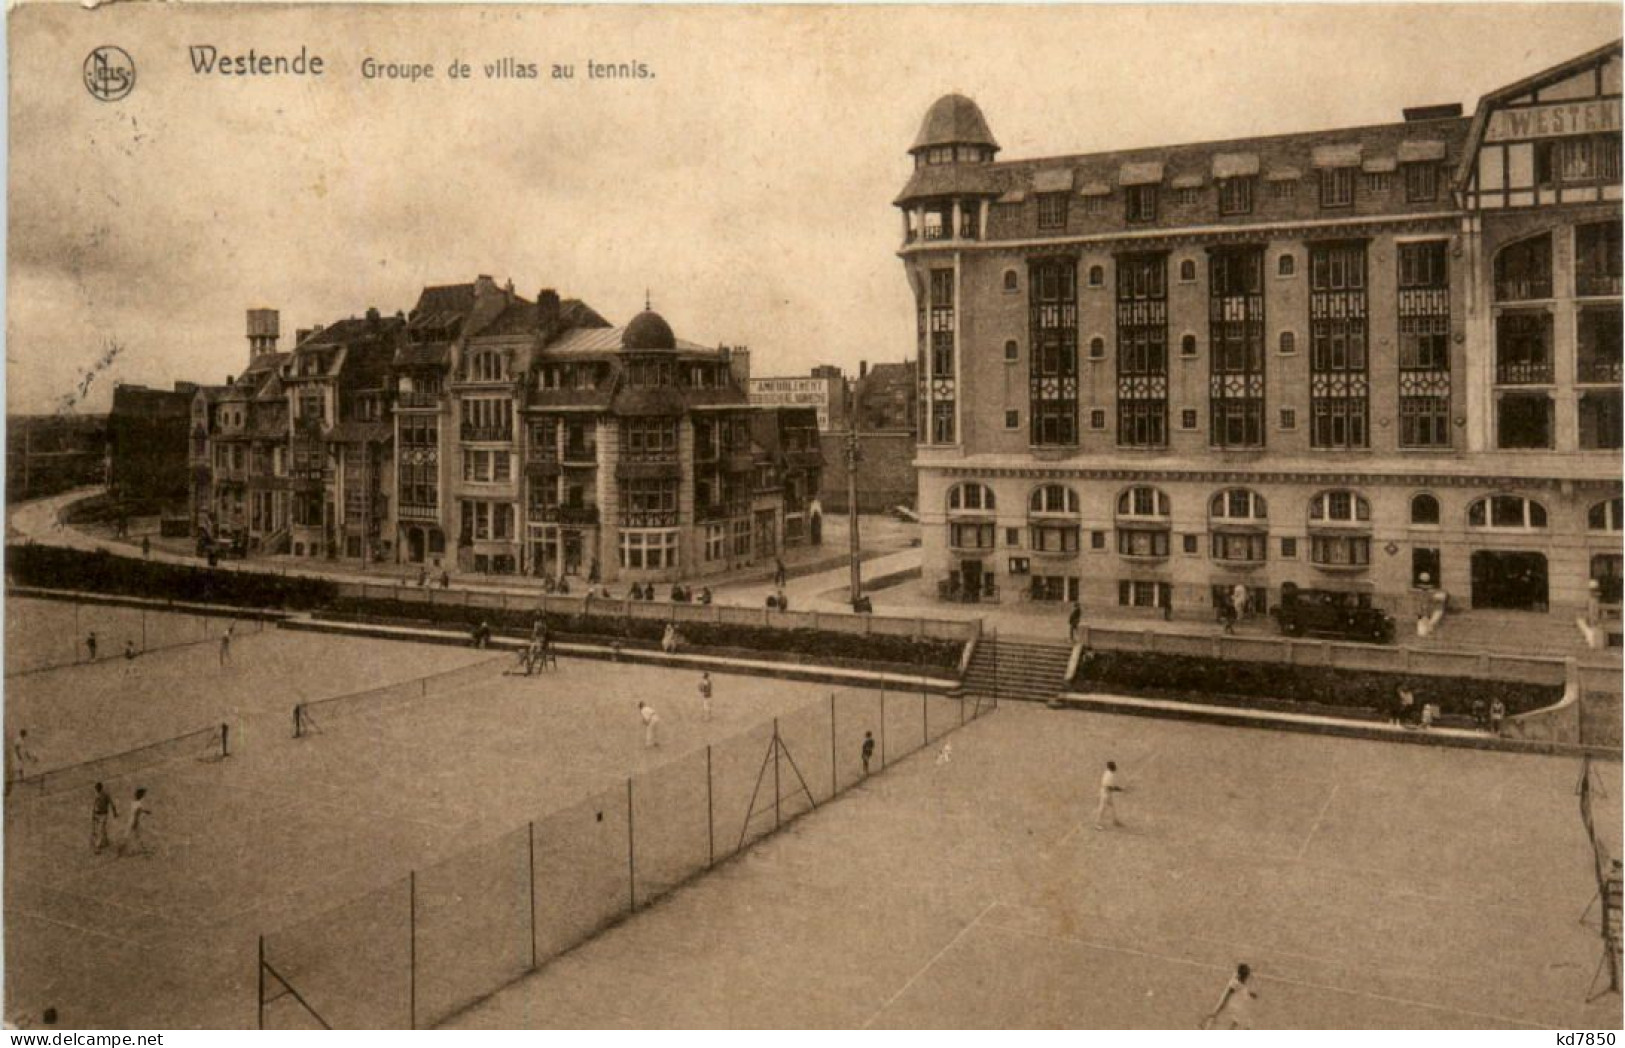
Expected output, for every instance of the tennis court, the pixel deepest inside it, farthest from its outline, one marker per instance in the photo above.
(290, 834)
(1367, 884)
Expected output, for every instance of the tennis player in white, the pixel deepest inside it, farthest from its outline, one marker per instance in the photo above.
(651, 724)
(1108, 797)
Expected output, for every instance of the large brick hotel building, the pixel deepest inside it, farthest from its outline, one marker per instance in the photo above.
(1373, 359)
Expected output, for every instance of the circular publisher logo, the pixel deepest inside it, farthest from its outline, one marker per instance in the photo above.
(109, 73)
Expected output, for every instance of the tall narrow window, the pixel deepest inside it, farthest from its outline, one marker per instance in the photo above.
(1424, 345)
(1597, 259)
(1339, 385)
(1523, 270)
(942, 378)
(1052, 290)
(1236, 347)
(1052, 211)
(1142, 351)
(1141, 203)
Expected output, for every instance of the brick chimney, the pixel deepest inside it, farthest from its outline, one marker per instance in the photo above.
(739, 364)
(547, 314)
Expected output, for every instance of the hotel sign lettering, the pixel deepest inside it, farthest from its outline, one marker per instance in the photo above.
(1553, 121)
(793, 392)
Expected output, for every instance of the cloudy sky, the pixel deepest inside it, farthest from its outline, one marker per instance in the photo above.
(747, 185)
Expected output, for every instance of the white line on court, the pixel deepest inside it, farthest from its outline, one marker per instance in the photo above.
(1305, 984)
(928, 964)
(18, 912)
(1304, 848)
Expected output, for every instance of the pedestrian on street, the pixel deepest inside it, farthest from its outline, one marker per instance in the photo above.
(90, 646)
(225, 645)
(1498, 712)
(445, 580)
(1109, 789)
(1073, 621)
(868, 750)
(780, 576)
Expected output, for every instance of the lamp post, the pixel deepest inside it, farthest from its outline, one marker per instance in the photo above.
(852, 457)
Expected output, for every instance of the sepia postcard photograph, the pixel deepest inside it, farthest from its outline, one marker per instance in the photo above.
(799, 517)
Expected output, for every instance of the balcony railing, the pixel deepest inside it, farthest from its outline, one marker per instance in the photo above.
(418, 511)
(649, 518)
(580, 455)
(630, 454)
(1590, 284)
(488, 433)
(1524, 373)
(1521, 290)
(411, 398)
(555, 513)
(1598, 371)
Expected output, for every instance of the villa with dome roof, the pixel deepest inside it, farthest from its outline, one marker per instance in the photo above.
(484, 431)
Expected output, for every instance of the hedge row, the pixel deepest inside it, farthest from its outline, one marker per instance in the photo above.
(103, 572)
(1194, 678)
(815, 645)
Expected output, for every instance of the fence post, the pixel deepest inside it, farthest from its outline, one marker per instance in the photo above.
(225, 740)
(710, 816)
(412, 951)
(531, 828)
(834, 774)
(631, 856)
(925, 719)
(261, 1007)
(882, 728)
(778, 818)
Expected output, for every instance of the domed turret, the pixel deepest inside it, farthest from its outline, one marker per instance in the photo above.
(954, 120)
(648, 330)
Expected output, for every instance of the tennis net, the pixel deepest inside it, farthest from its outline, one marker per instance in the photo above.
(205, 744)
(309, 717)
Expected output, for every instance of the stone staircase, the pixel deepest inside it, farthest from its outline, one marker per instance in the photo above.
(1017, 669)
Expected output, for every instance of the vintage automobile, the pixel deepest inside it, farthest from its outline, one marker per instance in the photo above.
(1329, 613)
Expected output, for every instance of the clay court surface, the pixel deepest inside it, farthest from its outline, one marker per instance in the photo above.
(1368, 884)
